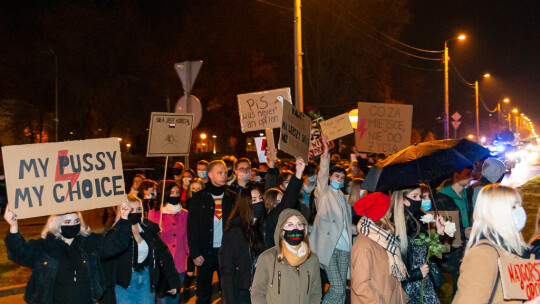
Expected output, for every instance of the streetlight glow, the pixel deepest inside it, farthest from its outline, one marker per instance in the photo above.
(487, 75)
(507, 100)
(203, 136)
(461, 37)
(515, 110)
(470, 136)
(214, 136)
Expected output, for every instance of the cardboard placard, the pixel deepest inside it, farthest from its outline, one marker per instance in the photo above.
(261, 110)
(383, 127)
(260, 143)
(520, 278)
(316, 144)
(295, 132)
(452, 216)
(57, 178)
(337, 127)
(169, 134)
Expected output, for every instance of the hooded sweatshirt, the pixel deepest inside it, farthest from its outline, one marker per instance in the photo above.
(492, 172)
(279, 282)
(461, 202)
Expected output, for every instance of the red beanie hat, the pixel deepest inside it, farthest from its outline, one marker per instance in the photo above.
(374, 205)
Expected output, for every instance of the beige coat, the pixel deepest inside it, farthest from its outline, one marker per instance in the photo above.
(279, 282)
(371, 281)
(330, 217)
(478, 274)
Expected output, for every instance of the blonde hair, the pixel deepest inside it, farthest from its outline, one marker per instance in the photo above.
(55, 221)
(196, 180)
(354, 193)
(399, 218)
(131, 198)
(536, 233)
(493, 218)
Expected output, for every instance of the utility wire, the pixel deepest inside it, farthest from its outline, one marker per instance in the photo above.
(484, 105)
(276, 5)
(383, 34)
(459, 75)
(374, 38)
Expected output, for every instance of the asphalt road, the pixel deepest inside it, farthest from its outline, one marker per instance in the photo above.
(524, 171)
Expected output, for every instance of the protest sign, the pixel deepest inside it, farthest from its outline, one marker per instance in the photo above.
(56, 178)
(260, 143)
(337, 127)
(261, 110)
(295, 132)
(452, 216)
(520, 278)
(383, 127)
(169, 134)
(316, 145)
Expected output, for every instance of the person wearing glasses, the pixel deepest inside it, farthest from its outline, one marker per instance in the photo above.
(242, 170)
(289, 271)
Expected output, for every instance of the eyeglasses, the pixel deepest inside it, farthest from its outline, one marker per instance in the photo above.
(291, 226)
(245, 170)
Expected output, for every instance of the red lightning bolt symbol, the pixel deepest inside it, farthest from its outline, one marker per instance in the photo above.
(72, 177)
(361, 130)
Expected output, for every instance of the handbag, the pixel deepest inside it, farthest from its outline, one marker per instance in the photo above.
(435, 275)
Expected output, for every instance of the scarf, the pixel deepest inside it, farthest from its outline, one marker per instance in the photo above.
(387, 241)
(171, 209)
(295, 255)
(214, 190)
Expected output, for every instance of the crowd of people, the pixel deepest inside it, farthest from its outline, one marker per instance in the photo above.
(282, 232)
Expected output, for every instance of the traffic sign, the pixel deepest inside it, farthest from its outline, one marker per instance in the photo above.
(195, 107)
(456, 124)
(456, 116)
(188, 71)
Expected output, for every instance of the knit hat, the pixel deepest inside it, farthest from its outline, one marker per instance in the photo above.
(493, 170)
(374, 205)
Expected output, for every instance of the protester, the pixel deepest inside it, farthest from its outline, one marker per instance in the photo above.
(147, 192)
(254, 175)
(427, 202)
(173, 222)
(137, 180)
(331, 237)
(289, 271)
(276, 201)
(195, 186)
(376, 265)
(354, 170)
(242, 168)
(309, 183)
(229, 164)
(178, 168)
(453, 195)
(407, 213)
(534, 243)
(202, 170)
(355, 193)
(136, 271)
(242, 243)
(187, 176)
(498, 219)
(263, 169)
(66, 260)
(207, 210)
(492, 173)
(284, 178)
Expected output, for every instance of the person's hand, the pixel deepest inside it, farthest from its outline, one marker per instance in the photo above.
(439, 223)
(271, 155)
(300, 166)
(125, 209)
(11, 219)
(198, 261)
(425, 270)
(172, 291)
(468, 232)
(324, 138)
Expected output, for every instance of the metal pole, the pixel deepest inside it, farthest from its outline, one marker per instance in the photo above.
(188, 86)
(298, 78)
(446, 99)
(56, 97)
(517, 123)
(498, 117)
(477, 114)
(509, 121)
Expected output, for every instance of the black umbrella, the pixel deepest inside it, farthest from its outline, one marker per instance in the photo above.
(421, 163)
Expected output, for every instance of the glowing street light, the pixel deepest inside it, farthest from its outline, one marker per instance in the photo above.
(446, 96)
(487, 75)
(353, 118)
(470, 136)
(203, 136)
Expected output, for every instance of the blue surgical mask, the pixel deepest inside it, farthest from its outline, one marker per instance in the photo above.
(202, 174)
(519, 216)
(336, 185)
(426, 204)
(348, 190)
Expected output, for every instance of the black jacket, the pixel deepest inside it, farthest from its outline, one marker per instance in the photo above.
(237, 260)
(159, 260)
(445, 202)
(43, 256)
(200, 222)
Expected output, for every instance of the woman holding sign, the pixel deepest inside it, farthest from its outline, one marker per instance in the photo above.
(66, 260)
(498, 219)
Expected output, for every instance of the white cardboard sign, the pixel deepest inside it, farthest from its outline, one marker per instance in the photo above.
(169, 134)
(294, 137)
(337, 127)
(261, 110)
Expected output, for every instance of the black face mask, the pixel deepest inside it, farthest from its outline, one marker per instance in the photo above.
(173, 200)
(69, 232)
(229, 173)
(134, 218)
(414, 208)
(262, 174)
(294, 237)
(177, 171)
(258, 209)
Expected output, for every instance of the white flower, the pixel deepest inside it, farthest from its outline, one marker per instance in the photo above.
(450, 228)
(428, 218)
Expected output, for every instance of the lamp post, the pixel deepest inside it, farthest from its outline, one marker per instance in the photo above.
(506, 100)
(298, 77)
(446, 97)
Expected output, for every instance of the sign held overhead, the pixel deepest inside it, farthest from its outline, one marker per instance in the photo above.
(169, 134)
(261, 110)
(295, 134)
(337, 127)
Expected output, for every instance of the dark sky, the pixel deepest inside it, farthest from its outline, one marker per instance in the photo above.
(503, 38)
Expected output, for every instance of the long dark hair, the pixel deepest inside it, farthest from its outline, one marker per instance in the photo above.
(244, 212)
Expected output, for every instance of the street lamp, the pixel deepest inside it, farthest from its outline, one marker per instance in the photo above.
(446, 98)
(506, 100)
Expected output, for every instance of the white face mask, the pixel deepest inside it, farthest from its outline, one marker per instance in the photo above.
(312, 178)
(172, 209)
(186, 180)
(362, 192)
(244, 177)
(519, 216)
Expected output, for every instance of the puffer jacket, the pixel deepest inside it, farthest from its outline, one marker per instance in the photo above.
(279, 282)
